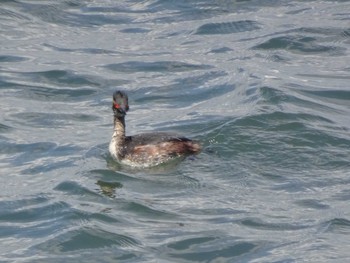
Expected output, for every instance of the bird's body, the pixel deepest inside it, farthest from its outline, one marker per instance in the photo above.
(146, 149)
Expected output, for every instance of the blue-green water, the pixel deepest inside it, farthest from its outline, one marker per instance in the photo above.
(264, 85)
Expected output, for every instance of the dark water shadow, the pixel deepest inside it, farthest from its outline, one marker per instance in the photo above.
(158, 66)
(227, 27)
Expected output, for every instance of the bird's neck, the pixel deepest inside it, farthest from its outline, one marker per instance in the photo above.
(119, 128)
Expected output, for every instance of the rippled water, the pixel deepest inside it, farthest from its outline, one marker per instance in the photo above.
(264, 85)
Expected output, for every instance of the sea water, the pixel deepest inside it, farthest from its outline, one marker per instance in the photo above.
(263, 85)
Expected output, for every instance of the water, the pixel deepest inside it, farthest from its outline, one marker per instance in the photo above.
(264, 85)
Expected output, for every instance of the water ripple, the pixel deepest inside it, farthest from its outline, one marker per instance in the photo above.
(339, 226)
(38, 119)
(300, 44)
(260, 224)
(87, 239)
(12, 59)
(227, 27)
(59, 77)
(58, 14)
(159, 66)
(209, 249)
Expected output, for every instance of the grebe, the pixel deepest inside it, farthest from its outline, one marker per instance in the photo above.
(147, 149)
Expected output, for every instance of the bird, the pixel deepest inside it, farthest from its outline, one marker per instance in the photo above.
(145, 149)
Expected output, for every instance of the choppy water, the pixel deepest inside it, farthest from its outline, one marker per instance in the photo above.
(264, 85)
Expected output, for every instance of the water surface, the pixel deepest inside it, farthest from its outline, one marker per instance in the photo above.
(264, 85)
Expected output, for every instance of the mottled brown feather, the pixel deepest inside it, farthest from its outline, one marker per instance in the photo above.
(171, 148)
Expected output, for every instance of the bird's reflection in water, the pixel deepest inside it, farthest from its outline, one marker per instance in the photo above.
(109, 188)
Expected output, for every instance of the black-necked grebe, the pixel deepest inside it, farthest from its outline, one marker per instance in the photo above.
(147, 149)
